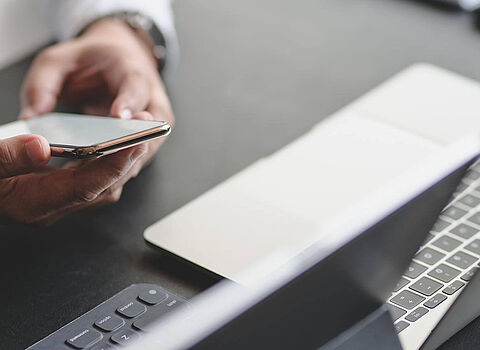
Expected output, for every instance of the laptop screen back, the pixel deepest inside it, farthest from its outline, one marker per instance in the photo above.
(328, 294)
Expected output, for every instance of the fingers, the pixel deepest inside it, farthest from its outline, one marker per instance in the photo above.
(98, 175)
(133, 96)
(44, 81)
(23, 154)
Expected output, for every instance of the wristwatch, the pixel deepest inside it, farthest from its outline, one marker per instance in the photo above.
(148, 32)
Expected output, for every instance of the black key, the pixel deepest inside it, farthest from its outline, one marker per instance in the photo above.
(426, 286)
(453, 287)
(132, 309)
(470, 200)
(460, 188)
(105, 346)
(110, 323)
(440, 225)
(124, 337)
(444, 273)
(84, 338)
(472, 174)
(429, 256)
(401, 325)
(469, 274)
(464, 231)
(446, 243)
(428, 239)
(435, 300)
(145, 322)
(474, 247)
(414, 270)
(395, 312)
(407, 299)
(153, 296)
(475, 218)
(462, 259)
(454, 212)
(400, 284)
(416, 314)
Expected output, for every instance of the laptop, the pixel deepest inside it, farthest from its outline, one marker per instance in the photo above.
(414, 115)
(313, 300)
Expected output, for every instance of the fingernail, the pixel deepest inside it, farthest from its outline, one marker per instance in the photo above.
(35, 151)
(126, 114)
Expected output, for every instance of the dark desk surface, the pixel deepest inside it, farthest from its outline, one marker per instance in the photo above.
(254, 75)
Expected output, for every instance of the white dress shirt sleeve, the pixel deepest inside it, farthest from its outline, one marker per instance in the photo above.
(69, 17)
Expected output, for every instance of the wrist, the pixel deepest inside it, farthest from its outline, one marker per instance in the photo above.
(113, 30)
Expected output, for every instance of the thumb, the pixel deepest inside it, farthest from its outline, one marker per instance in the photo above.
(23, 154)
(132, 96)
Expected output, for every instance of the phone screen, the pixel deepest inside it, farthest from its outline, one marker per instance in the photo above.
(73, 130)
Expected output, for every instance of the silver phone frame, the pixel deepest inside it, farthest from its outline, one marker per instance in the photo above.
(111, 146)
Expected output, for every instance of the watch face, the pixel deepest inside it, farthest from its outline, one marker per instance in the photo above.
(154, 36)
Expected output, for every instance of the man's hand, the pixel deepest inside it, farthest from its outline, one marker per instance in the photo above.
(33, 193)
(107, 70)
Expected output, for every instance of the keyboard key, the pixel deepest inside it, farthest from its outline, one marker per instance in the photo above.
(453, 287)
(462, 259)
(145, 322)
(444, 273)
(401, 325)
(435, 300)
(153, 296)
(414, 270)
(446, 243)
(429, 256)
(472, 175)
(428, 239)
(124, 337)
(132, 309)
(454, 212)
(469, 274)
(85, 338)
(400, 284)
(395, 312)
(417, 314)
(102, 347)
(470, 200)
(464, 231)
(475, 218)
(460, 188)
(440, 225)
(474, 247)
(426, 286)
(109, 323)
(407, 299)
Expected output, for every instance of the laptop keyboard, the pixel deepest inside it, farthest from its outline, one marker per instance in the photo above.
(116, 322)
(447, 260)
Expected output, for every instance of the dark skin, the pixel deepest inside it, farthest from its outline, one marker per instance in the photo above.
(107, 70)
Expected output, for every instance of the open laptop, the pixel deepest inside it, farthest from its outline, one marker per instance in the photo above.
(331, 287)
(404, 122)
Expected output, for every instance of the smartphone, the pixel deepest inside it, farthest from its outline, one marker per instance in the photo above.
(85, 136)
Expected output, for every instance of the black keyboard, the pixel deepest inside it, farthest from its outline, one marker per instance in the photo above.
(116, 322)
